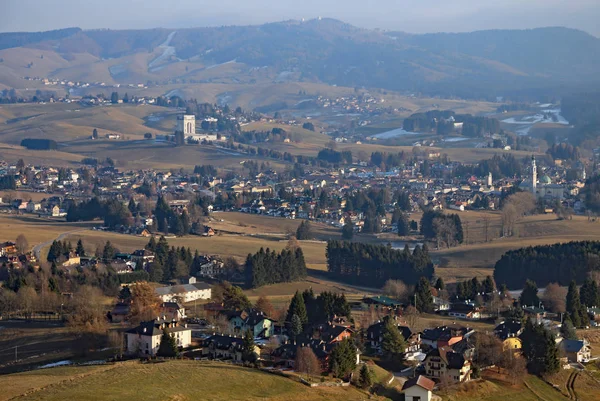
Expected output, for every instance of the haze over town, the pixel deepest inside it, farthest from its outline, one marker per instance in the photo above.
(413, 16)
(299, 200)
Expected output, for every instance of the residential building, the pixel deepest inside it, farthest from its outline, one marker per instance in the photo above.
(576, 350)
(418, 389)
(225, 347)
(254, 320)
(445, 364)
(145, 338)
(184, 292)
(464, 310)
(443, 336)
(173, 311)
(8, 248)
(375, 337)
(509, 332)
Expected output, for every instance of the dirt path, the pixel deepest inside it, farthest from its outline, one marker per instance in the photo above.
(38, 248)
(571, 384)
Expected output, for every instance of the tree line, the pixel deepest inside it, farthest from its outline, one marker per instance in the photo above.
(443, 228)
(559, 263)
(269, 267)
(499, 165)
(335, 157)
(373, 265)
(39, 144)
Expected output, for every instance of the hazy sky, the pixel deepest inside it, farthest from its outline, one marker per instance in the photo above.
(406, 15)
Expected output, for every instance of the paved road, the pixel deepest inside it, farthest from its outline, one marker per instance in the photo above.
(38, 248)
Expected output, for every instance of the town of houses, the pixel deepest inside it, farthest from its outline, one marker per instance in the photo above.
(319, 194)
(438, 353)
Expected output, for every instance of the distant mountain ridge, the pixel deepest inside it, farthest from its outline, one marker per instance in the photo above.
(477, 64)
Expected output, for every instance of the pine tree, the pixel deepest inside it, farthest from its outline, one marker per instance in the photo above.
(343, 358)
(80, 249)
(304, 231)
(151, 246)
(567, 330)
(551, 357)
(296, 326)
(575, 309)
(529, 295)
(156, 272)
(423, 296)
(131, 206)
(366, 377)
(298, 308)
(108, 253)
(439, 284)
(168, 346)
(589, 293)
(403, 228)
(248, 347)
(348, 230)
(392, 343)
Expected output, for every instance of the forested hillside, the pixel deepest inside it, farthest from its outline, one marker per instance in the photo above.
(545, 264)
(478, 64)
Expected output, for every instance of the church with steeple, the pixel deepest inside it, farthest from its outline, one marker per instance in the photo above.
(544, 188)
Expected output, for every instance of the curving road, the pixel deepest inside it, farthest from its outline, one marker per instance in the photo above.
(38, 248)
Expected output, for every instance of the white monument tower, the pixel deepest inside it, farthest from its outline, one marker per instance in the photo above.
(186, 124)
(533, 175)
(490, 181)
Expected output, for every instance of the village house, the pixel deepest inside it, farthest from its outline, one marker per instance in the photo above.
(252, 319)
(375, 337)
(184, 292)
(418, 389)
(8, 248)
(464, 310)
(509, 332)
(285, 355)
(226, 348)
(443, 336)
(445, 364)
(173, 311)
(576, 351)
(145, 338)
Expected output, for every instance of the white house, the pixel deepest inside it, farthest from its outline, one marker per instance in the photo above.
(418, 389)
(184, 292)
(145, 338)
(34, 207)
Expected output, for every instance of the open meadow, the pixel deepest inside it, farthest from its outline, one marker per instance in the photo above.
(533, 230)
(171, 380)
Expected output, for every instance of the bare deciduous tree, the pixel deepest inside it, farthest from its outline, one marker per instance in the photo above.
(397, 289)
(486, 219)
(555, 298)
(22, 244)
(116, 341)
(307, 362)
(27, 299)
(411, 315)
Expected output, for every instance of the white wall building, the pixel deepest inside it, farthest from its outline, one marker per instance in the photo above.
(145, 338)
(184, 292)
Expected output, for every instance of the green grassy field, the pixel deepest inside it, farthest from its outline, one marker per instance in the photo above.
(178, 381)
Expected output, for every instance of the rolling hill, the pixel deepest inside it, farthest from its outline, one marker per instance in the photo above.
(477, 64)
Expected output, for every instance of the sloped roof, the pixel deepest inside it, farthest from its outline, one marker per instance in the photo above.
(572, 345)
(420, 381)
(454, 360)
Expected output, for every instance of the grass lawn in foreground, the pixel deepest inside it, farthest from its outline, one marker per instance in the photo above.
(187, 380)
